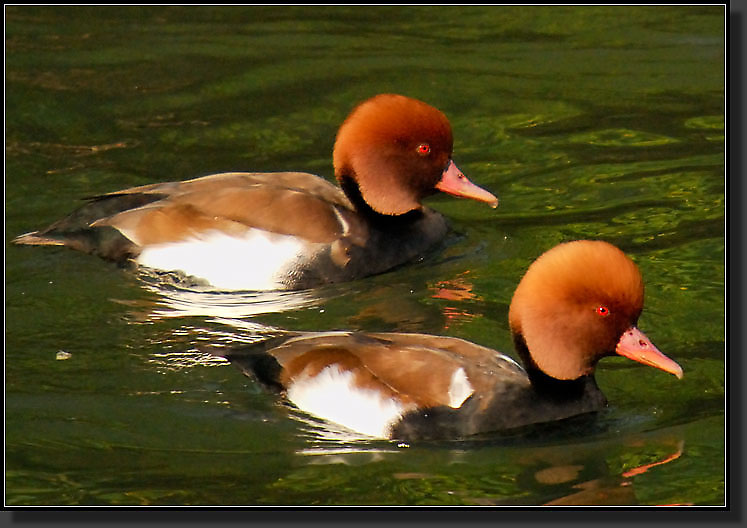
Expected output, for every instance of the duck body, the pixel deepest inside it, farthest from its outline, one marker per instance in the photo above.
(237, 231)
(577, 303)
(411, 386)
(288, 230)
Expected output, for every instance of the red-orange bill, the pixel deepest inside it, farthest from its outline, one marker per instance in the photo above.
(455, 182)
(636, 346)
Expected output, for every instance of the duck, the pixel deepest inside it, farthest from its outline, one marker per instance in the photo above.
(576, 304)
(288, 230)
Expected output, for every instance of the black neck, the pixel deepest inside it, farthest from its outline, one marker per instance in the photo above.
(546, 385)
(350, 187)
(560, 390)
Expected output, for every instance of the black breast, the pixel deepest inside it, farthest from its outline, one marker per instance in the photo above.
(509, 406)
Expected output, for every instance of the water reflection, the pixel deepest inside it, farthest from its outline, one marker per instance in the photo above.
(330, 443)
(613, 490)
(180, 300)
(456, 290)
(366, 305)
(513, 471)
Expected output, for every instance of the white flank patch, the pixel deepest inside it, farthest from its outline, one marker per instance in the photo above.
(331, 395)
(459, 388)
(256, 261)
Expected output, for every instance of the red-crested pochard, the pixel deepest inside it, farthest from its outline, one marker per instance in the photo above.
(288, 230)
(576, 304)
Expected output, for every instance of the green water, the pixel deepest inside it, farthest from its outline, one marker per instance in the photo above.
(587, 122)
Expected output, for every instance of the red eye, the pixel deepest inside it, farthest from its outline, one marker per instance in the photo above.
(424, 148)
(603, 311)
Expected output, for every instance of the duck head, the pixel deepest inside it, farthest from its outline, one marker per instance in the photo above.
(577, 303)
(394, 151)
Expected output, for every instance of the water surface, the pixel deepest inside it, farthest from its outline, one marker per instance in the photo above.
(588, 122)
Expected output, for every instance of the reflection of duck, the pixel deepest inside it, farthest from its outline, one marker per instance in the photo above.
(456, 290)
(288, 230)
(577, 303)
(188, 302)
(541, 465)
(601, 491)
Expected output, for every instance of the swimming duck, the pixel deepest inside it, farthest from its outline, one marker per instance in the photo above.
(288, 230)
(577, 303)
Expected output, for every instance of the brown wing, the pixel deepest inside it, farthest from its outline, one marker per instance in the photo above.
(417, 368)
(231, 210)
(298, 181)
(286, 202)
